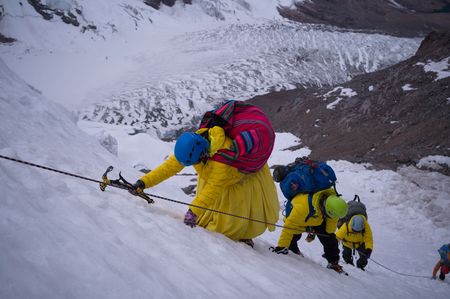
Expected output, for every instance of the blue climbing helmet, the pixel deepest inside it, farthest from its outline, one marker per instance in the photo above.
(357, 223)
(190, 148)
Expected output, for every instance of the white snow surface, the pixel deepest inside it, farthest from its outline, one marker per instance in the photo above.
(408, 87)
(397, 5)
(343, 93)
(440, 68)
(435, 162)
(61, 237)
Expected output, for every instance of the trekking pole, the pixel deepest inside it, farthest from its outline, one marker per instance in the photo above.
(124, 187)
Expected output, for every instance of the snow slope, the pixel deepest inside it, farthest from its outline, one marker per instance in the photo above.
(61, 237)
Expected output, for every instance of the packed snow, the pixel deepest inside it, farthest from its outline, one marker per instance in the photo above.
(343, 93)
(408, 87)
(62, 237)
(435, 162)
(440, 68)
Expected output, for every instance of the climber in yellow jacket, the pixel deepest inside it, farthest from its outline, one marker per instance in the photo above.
(316, 213)
(220, 187)
(356, 234)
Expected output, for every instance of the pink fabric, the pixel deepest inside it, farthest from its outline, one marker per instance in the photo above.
(252, 134)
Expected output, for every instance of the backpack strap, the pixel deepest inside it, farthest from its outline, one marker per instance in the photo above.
(312, 211)
(337, 193)
(287, 207)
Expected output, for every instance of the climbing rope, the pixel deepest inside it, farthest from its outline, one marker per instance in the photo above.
(389, 269)
(397, 272)
(187, 204)
(147, 194)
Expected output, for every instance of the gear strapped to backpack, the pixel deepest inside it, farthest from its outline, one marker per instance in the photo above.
(355, 207)
(304, 176)
(252, 134)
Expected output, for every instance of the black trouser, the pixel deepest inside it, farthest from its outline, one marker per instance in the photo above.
(348, 256)
(329, 242)
(293, 246)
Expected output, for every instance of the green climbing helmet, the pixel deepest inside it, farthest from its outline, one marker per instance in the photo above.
(335, 207)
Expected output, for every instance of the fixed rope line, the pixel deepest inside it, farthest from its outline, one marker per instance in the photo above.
(183, 203)
(152, 195)
(396, 272)
(389, 269)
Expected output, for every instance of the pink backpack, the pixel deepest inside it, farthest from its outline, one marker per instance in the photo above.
(252, 134)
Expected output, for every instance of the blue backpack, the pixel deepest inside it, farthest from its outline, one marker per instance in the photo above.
(304, 176)
(443, 251)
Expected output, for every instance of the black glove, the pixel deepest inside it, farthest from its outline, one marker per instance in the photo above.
(279, 250)
(137, 188)
(368, 253)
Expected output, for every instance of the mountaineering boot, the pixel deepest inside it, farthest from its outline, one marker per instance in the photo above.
(362, 268)
(336, 267)
(441, 276)
(248, 242)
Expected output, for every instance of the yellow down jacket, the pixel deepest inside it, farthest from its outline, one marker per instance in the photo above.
(222, 187)
(353, 239)
(296, 222)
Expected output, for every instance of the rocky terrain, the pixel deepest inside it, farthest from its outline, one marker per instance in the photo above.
(396, 17)
(389, 118)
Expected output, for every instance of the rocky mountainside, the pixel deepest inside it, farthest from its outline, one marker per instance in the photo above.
(391, 117)
(397, 17)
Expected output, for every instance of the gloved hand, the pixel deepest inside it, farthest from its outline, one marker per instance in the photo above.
(279, 250)
(190, 218)
(137, 188)
(368, 253)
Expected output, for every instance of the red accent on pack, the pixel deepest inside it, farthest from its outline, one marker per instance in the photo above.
(252, 134)
(445, 269)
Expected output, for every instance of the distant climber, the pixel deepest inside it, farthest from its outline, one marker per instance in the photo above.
(316, 213)
(444, 262)
(356, 235)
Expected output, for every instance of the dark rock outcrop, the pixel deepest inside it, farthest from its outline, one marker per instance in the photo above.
(156, 4)
(48, 13)
(6, 40)
(389, 118)
(399, 17)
